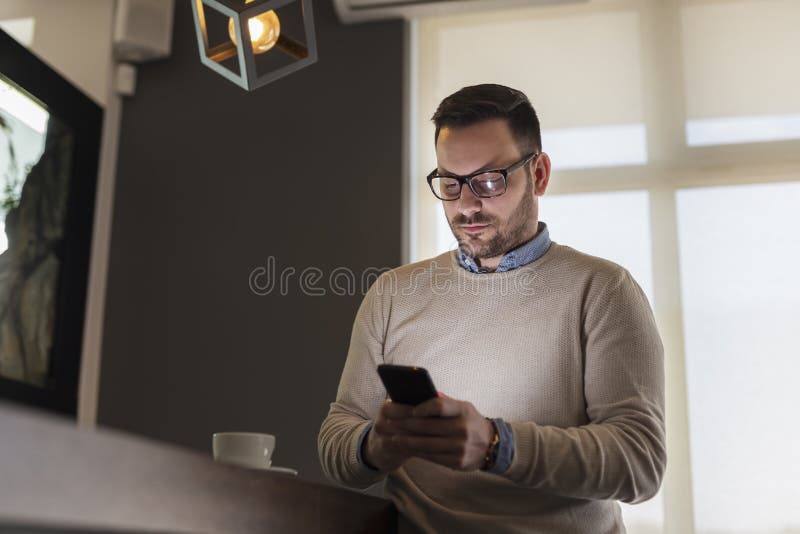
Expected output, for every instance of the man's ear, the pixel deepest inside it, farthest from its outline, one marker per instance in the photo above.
(541, 174)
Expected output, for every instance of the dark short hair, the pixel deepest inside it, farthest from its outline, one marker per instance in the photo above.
(477, 103)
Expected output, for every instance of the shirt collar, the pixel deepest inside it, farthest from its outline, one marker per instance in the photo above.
(518, 257)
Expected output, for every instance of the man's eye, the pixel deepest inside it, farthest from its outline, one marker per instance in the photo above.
(488, 181)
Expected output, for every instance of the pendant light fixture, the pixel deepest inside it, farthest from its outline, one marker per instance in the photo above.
(279, 35)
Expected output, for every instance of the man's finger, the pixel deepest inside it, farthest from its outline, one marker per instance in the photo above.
(439, 407)
(388, 427)
(393, 410)
(432, 426)
(419, 445)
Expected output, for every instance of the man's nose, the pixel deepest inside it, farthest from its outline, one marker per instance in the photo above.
(468, 203)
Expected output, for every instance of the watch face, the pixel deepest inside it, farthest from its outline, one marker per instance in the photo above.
(491, 452)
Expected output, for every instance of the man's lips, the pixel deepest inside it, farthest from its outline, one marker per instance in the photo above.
(474, 228)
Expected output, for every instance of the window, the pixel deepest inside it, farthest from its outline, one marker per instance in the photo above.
(739, 272)
(741, 73)
(615, 226)
(597, 146)
(674, 131)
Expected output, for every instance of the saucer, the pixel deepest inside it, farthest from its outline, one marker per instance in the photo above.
(283, 470)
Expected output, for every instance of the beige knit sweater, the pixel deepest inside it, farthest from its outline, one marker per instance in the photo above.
(565, 349)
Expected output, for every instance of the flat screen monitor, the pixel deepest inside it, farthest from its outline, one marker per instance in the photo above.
(49, 146)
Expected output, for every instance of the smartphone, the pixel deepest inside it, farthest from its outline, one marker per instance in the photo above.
(407, 385)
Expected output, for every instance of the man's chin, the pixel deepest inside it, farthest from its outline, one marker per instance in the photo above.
(472, 246)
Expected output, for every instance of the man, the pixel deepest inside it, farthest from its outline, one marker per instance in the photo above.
(558, 348)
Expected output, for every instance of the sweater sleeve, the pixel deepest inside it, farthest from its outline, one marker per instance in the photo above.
(621, 452)
(360, 394)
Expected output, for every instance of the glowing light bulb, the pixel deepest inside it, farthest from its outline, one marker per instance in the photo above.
(264, 31)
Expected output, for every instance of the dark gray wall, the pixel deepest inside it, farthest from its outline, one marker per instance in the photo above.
(188, 349)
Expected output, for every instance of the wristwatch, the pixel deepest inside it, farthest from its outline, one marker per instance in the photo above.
(491, 451)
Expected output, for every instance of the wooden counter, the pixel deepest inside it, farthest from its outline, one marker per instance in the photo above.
(53, 474)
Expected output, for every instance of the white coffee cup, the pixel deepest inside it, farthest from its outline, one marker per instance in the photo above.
(245, 449)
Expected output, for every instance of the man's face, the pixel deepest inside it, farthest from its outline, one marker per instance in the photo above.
(487, 228)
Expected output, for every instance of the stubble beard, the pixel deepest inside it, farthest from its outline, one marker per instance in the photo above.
(511, 235)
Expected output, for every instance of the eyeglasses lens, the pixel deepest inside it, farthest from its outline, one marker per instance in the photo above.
(446, 188)
(489, 184)
(486, 185)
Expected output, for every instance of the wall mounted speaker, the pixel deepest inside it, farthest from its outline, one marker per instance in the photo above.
(143, 30)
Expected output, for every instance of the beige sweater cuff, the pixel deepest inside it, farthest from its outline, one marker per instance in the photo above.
(524, 451)
(362, 475)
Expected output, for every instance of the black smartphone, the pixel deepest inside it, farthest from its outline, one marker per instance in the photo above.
(407, 385)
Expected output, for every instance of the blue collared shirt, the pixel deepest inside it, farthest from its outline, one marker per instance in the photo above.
(513, 259)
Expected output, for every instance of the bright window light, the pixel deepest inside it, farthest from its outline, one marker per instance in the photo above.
(20, 29)
(646, 517)
(598, 146)
(21, 142)
(21, 107)
(723, 104)
(739, 265)
(445, 240)
(614, 226)
(731, 130)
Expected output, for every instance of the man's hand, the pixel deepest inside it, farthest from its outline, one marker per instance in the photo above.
(380, 449)
(445, 431)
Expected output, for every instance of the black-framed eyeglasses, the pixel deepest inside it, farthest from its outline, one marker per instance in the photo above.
(483, 184)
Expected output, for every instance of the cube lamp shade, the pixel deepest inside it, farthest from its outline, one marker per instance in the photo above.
(264, 25)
